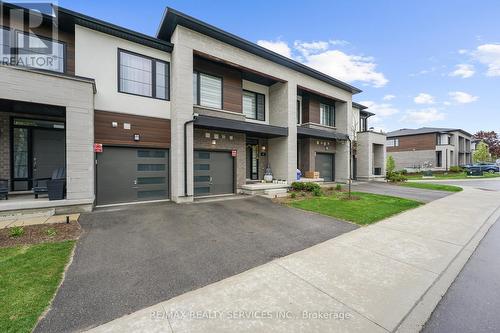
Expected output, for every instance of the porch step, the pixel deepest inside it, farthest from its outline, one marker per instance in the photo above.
(276, 193)
(261, 188)
(26, 214)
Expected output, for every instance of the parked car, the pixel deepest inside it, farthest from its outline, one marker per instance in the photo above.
(484, 167)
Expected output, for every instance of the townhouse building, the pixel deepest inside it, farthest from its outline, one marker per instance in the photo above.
(195, 111)
(441, 148)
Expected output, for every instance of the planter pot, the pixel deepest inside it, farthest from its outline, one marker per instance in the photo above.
(268, 178)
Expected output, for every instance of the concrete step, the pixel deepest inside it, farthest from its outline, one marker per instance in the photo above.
(276, 193)
(26, 214)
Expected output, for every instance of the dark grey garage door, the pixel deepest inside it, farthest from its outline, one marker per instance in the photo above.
(325, 164)
(213, 173)
(131, 174)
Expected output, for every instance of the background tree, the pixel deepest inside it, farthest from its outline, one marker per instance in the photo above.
(482, 153)
(492, 139)
(390, 165)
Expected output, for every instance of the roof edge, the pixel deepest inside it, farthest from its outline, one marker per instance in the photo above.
(173, 17)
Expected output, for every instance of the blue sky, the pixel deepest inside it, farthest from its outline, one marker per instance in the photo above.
(419, 63)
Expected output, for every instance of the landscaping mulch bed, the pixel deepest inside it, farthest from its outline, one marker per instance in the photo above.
(34, 234)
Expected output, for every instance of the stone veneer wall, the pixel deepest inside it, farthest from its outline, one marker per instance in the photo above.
(224, 142)
(4, 146)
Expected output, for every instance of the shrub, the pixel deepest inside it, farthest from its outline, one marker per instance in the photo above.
(403, 172)
(338, 187)
(307, 187)
(456, 169)
(16, 232)
(317, 192)
(390, 164)
(396, 177)
(293, 195)
(51, 232)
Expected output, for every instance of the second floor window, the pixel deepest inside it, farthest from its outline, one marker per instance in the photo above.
(392, 143)
(143, 76)
(207, 90)
(254, 105)
(327, 114)
(18, 48)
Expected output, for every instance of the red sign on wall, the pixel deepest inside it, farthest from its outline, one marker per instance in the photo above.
(234, 153)
(97, 147)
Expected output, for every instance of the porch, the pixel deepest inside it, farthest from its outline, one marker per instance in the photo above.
(46, 132)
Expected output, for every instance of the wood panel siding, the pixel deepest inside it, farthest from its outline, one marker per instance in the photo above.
(231, 82)
(45, 30)
(415, 142)
(154, 132)
(310, 108)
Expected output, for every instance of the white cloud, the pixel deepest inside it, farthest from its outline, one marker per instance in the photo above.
(489, 54)
(463, 70)
(276, 46)
(388, 97)
(423, 116)
(462, 97)
(340, 42)
(381, 110)
(463, 51)
(347, 67)
(423, 98)
(320, 56)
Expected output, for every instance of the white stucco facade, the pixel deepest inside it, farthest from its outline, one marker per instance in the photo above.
(96, 56)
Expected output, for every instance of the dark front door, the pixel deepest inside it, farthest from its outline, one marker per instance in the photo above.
(252, 162)
(213, 173)
(325, 164)
(354, 168)
(48, 152)
(131, 174)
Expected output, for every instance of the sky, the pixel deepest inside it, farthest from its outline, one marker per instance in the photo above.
(419, 63)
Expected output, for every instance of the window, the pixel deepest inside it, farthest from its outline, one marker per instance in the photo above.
(327, 114)
(392, 143)
(299, 110)
(151, 153)
(254, 105)
(144, 76)
(5, 45)
(207, 90)
(39, 52)
(439, 159)
(363, 124)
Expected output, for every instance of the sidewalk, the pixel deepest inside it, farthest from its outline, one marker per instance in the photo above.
(381, 278)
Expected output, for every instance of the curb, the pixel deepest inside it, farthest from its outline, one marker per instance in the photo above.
(423, 309)
(453, 180)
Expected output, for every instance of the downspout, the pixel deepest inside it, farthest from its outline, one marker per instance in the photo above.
(185, 152)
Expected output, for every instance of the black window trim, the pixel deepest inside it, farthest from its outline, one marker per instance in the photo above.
(14, 48)
(256, 111)
(153, 74)
(198, 85)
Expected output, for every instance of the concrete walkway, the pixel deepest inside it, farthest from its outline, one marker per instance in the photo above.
(382, 278)
(20, 221)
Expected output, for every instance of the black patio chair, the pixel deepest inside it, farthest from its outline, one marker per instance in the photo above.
(4, 188)
(53, 186)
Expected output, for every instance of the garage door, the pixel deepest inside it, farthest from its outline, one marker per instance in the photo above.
(131, 174)
(213, 173)
(325, 164)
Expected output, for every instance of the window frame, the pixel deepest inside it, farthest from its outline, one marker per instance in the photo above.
(395, 142)
(14, 48)
(256, 94)
(153, 75)
(198, 89)
(332, 110)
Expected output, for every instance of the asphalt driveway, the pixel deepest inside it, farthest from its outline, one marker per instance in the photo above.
(130, 258)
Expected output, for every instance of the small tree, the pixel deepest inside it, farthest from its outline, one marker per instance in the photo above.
(482, 153)
(390, 165)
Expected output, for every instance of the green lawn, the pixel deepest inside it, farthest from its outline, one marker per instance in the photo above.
(433, 186)
(29, 277)
(454, 176)
(368, 209)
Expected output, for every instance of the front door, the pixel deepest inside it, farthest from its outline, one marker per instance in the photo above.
(48, 152)
(252, 162)
(325, 166)
(213, 172)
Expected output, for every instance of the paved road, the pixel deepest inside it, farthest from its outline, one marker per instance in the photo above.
(473, 301)
(399, 191)
(132, 258)
(488, 184)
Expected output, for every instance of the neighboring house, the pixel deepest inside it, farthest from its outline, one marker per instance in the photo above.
(194, 111)
(442, 148)
(370, 152)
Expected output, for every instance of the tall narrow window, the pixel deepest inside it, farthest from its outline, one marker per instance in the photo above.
(327, 114)
(4, 45)
(254, 105)
(299, 111)
(207, 90)
(144, 76)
